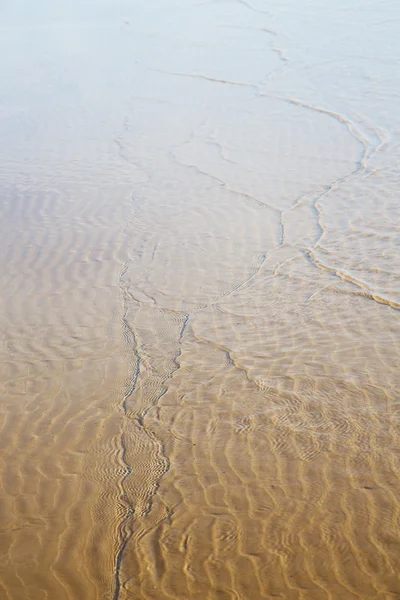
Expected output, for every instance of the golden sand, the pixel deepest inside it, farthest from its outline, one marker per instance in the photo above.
(200, 304)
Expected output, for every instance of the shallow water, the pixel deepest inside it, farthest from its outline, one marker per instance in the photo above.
(200, 287)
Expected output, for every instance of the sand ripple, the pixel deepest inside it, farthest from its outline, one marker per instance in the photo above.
(200, 291)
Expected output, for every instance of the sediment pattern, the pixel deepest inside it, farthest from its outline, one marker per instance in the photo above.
(200, 294)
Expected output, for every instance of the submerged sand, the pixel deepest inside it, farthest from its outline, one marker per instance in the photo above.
(200, 290)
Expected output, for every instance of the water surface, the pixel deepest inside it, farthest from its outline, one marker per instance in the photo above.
(200, 288)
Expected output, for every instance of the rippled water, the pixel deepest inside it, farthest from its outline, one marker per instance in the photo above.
(200, 286)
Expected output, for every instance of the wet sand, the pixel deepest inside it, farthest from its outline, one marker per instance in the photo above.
(200, 293)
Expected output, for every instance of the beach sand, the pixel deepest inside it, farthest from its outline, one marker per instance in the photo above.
(200, 293)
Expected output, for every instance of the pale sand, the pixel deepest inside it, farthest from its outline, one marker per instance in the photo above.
(199, 297)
